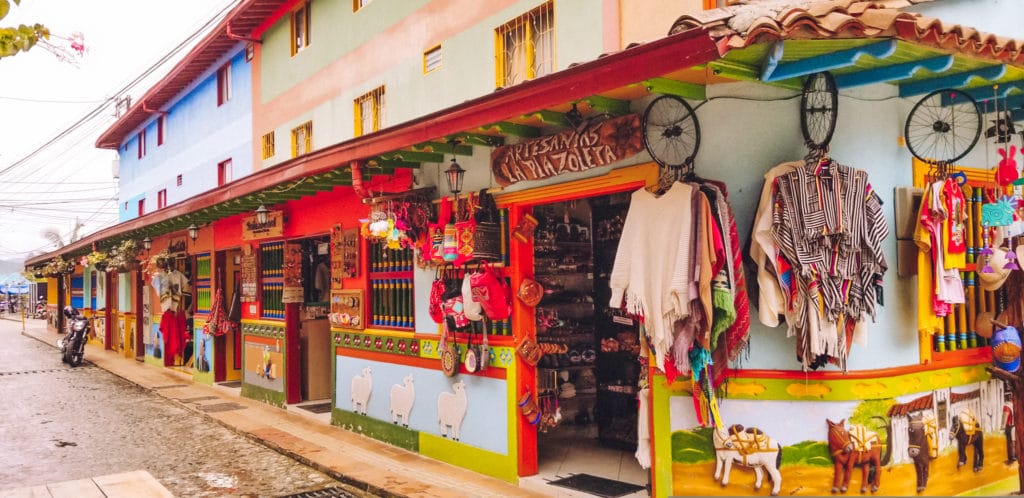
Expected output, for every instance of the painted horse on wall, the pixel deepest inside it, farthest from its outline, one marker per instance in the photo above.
(748, 447)
(857, 446)
(922, 446)
(966, 430)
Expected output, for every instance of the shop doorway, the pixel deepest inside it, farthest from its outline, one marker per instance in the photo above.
(589, 383)
(314, 328)
(227, 348)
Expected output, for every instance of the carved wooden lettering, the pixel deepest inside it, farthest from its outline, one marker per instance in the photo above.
(596, 144)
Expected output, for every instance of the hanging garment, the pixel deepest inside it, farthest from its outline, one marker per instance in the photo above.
(651, 262)
(827, 222)
(738, 333)
(772, 299)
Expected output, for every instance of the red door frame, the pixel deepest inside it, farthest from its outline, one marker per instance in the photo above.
(220, 356)
(108, 311)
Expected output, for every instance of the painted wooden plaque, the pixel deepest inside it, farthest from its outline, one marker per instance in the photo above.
(347, 309)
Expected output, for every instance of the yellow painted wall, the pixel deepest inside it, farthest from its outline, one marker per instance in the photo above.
(639, 25)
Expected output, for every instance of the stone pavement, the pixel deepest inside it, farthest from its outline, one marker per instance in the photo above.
(136, 484)
(365, 463)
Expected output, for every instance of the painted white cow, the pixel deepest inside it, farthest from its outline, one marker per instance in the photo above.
(402, 397)
(451, 409)
(361, 387)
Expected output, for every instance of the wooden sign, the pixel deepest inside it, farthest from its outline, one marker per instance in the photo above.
(292, 272)
(253, 230)
(178, 246)
(350, 253)
(248, 278)
(596, 144)
(347, 309)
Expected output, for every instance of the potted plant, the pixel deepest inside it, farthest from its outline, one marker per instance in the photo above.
(98, 259)
(58, 266)
(123, 255)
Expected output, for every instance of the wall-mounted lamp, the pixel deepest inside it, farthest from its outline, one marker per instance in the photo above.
(262, 214)
(454, 175)
(193, 232)
(574, 116)
(147, 243)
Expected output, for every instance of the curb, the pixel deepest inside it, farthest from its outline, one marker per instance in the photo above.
(349, 483)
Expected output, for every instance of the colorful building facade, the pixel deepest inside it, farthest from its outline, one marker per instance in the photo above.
(357, 112)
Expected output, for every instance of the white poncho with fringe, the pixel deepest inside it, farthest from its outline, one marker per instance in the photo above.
(652, 264)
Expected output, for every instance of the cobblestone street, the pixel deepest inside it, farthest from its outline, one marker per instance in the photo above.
(62, 424)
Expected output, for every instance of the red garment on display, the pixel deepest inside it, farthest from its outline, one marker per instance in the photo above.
(174, 332)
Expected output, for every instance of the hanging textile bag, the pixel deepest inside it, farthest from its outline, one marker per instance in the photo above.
(465, 229)
(452, 304)
(487, 238)
(434, 244)
(491, 290)
(437, 290)
(470, 306)
(446, 350)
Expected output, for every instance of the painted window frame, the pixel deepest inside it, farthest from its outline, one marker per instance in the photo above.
(161, 199)
(926, 346)
(224, 172)
(358, 5)
(161, 129)
(268, 145)
(178, 181)
(224, 84)
(426, 58)
(528, 25)
(142, 206)
(301, 21)
(302, 134)
(141, 146)
(374, 102)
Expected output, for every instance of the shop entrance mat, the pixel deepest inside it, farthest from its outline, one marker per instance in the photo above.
(324, 407)
(597, 486)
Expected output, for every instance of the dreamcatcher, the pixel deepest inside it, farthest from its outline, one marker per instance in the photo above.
(396, 223)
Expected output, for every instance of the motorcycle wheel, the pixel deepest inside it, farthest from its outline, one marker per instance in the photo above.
(76, 359)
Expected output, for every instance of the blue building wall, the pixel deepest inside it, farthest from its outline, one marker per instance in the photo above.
(198, 135)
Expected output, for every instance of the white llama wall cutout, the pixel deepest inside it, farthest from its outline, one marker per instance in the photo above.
(402, 396)
(361, 387)
(451, 409)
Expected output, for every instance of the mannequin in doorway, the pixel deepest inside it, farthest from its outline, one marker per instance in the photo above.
(172, 286)
(322, 280)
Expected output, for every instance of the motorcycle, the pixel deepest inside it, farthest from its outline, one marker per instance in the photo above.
(40, 313)
(72, 345)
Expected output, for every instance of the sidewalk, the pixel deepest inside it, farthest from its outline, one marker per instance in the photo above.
(136, 484)
(361, 462)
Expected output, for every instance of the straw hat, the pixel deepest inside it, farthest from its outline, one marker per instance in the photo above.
(994, 280)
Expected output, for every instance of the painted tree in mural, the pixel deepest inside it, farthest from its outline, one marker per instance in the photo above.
(22, 38)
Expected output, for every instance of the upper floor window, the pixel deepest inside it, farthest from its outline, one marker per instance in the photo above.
(142, 207)
(370, 112)
(526, 46)
(179, 180)
(161, 199)
(141, 137)
(302, 139)
(300, 27)
(268, 145)
(358, 4)
(224, 84)
(161, 128)
(714, 4)
(432, 59)
(223, 172)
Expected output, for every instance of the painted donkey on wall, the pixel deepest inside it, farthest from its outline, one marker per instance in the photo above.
(966, 430)
(853, 447)
(922, 446)
(750, 448)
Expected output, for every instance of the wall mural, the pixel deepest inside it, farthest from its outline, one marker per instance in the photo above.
(451, 409)
(264, 363)
(362, 385)
(824, 447)
(402, 397)
(203, 352)
(396, 402)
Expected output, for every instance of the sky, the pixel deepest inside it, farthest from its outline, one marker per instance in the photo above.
(52, 111)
